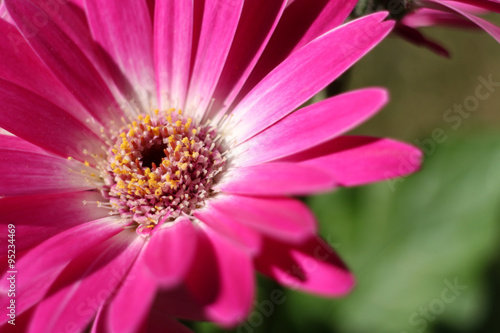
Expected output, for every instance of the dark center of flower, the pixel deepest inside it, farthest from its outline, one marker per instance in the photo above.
(155, 154)
(162, 167)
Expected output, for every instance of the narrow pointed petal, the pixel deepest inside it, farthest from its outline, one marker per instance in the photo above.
(223, 280)
(45, 174)
(236, 232)
(130, 306)
(306, 72)
(47, 215)
(85, 284)
(490, 28)
(276, 179)
(220, 286)
(124, 31)
(11, 142)
(20, 65)
(66, 61)
(302, 22)
(312, 267)
(328, 119)
(249, 43)
(173, 33)
(71, 19)
(42, 265)
(40, 122)
(281, 218)
(170, 252)
(356, 160)
(220, 20)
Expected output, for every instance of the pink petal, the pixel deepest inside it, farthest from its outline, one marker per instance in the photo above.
(428, 17)
(47, 215)
(311, 126)
(131, 305)
(249, 43)
(312, 267)
(66, 61)
(20, 65)
(173, 33)
(10, 142)
(38, 121)
(85, 284)
(490, 28)
(124, 31)
(170, 252)
(24, 173)
(21, 324)
(281, 218)
(222, 279)
(276, 179)
(302, 22)
(100, 324)
(220, 19)
(219, 287)
(355, 160)
(306, 72)
(477, 6)
(42, 265)
(71, 19)
(239, 233)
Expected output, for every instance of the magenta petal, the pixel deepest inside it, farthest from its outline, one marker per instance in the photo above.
(311, 126)
(66, 61)
(302, 22)
(425, 17)
(170, 252)
(219, 287)
(130, 306)
(282, 218)
(218, 26)
(24, 173)
(222, 279)
(124, 31)
(10, 142)
(173, 33)
(237, 232)
(43, 264)
(47, 215)
(249, 43)
(306, 72)
(313, 267)
(490, 28)
(38, 121)
(20, 65)
(276, 179)
(356, 160)
(85, 284)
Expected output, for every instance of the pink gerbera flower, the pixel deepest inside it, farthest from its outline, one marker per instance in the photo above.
(155, 151)
(457, 13)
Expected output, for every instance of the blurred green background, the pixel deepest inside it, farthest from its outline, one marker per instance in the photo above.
(425, 249)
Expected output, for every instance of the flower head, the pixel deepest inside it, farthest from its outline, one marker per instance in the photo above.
(156, 146)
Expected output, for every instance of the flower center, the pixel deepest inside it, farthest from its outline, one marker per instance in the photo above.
(161, 167)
